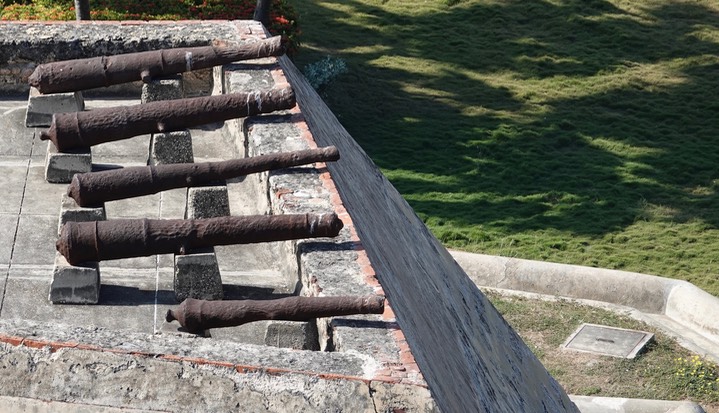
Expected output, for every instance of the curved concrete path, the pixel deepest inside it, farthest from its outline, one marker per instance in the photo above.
(678, 308)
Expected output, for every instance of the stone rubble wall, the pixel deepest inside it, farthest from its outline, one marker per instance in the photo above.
(115, 373)
(24, 45)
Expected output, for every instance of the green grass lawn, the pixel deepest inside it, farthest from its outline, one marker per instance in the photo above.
(581, 132)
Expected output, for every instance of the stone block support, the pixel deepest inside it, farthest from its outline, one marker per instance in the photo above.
(41, 107)
(207, 202)
(74, 284)
(197, 275)
(71, 211)
(60, 167)
(165, 88)
(292, 334)
(171, 147)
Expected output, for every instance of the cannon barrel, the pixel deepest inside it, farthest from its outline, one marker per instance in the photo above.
(124, 238)
(198, 315)
(93, 188)
(88, 128)
(81, 74)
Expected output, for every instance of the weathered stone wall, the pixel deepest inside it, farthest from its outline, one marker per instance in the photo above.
(24, 45)
(139, 372)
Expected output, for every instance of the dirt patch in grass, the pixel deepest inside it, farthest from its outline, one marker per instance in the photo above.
(666, 371)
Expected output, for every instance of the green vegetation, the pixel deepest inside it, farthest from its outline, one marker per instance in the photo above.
(700, 377)
(581, 132)
(665, 371)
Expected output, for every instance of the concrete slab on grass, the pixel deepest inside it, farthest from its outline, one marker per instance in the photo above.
(590, 404)
(608, 341)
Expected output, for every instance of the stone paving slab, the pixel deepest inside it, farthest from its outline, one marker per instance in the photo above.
(147, 206)
(16, 138)
(246, 257)
(35, 240)
(135, 300)
(8, 225)
(161, 261)
(41, 197)
(172, 203)
(214, 142)
(31, 272)
(13, 171)
(124, 152)
(125, 306)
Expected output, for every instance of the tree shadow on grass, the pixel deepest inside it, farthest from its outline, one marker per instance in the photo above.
(463, 147)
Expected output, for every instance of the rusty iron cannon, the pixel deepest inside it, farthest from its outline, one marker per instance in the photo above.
(85, 129)
(81, 74)
(198, 315)
(125, 238)
(93, 188)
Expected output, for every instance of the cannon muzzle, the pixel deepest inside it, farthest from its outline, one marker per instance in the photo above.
(125, 238)
(198, 315)
(81, 74)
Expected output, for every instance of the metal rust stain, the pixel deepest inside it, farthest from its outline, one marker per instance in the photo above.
(85, 129)
(125, 238)
(199, 315)
(94, 188)
(81, 74)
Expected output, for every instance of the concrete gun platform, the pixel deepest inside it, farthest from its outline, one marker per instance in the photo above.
(140, 287)
(136, 293)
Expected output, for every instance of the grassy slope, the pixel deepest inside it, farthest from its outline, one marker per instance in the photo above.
(582, 132)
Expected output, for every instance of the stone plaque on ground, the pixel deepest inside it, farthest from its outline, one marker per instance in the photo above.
(609, 341)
